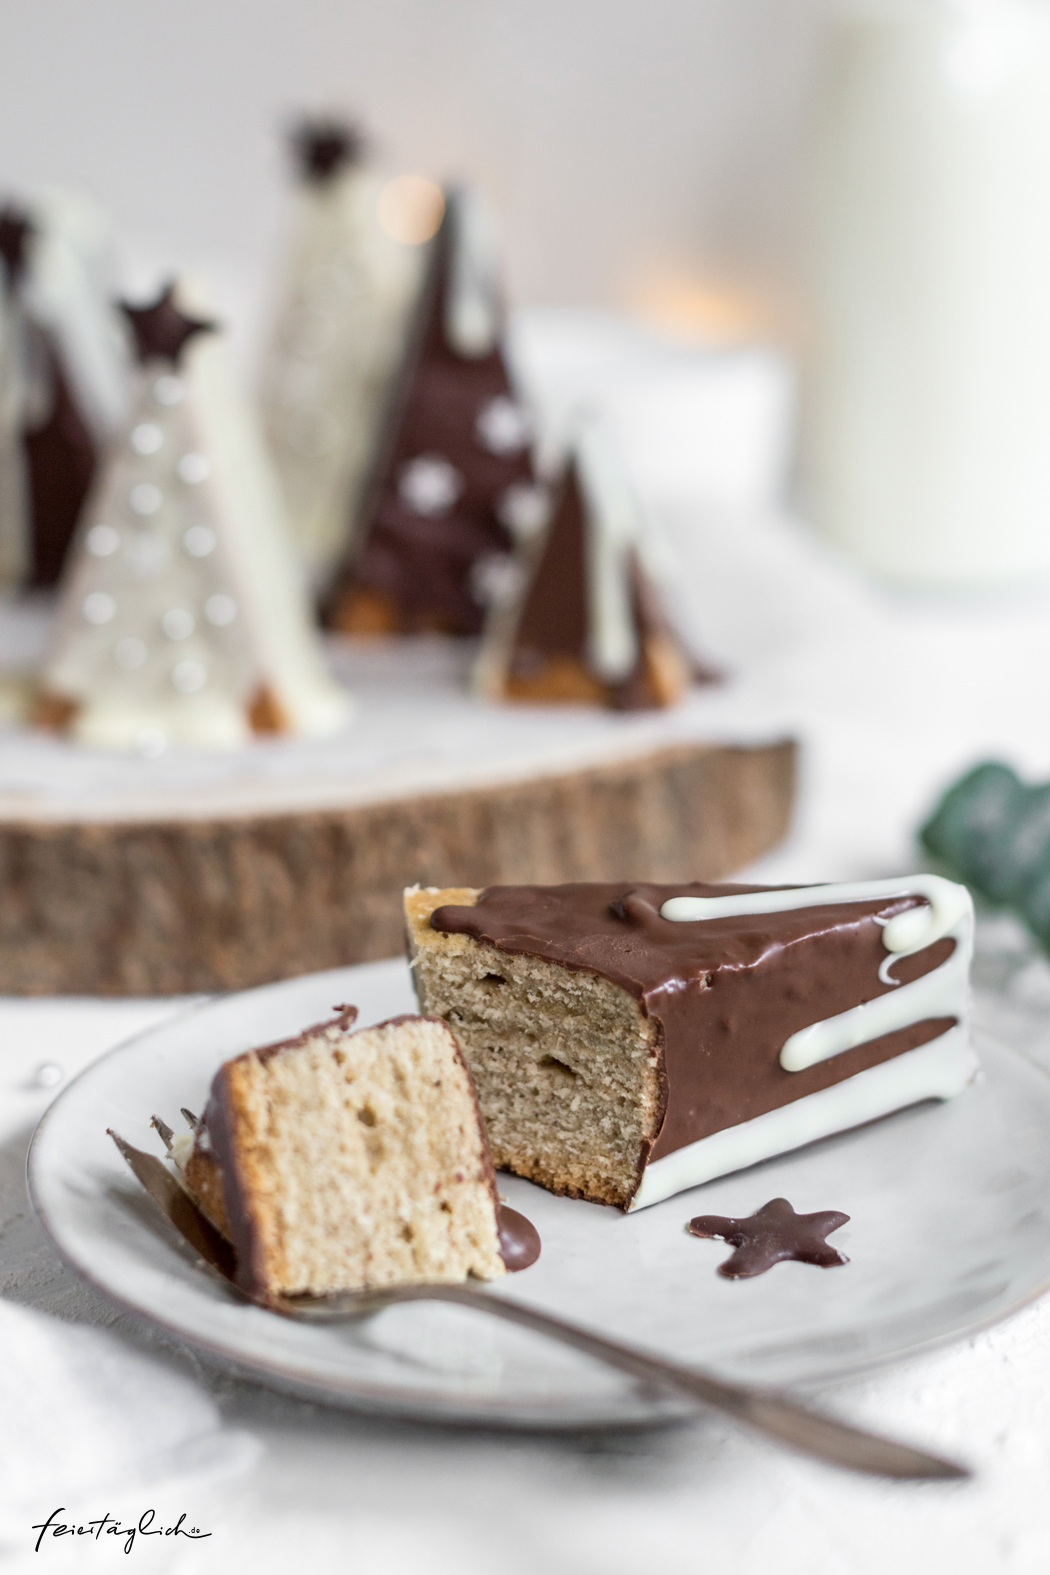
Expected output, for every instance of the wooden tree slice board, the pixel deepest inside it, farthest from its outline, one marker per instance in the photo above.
(141, 877)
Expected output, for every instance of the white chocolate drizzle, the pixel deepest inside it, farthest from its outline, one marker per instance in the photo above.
(943, 992)
(938, 1070)
(472, 306)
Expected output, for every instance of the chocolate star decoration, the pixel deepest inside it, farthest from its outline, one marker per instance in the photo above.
(15, 230)
(772, 1235)
(161, 330)
(323, 147)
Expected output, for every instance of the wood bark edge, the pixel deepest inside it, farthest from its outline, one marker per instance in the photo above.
(174, 906)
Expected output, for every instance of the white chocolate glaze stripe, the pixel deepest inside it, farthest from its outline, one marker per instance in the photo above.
(906, 933)
(940, 993)
(938, 1070)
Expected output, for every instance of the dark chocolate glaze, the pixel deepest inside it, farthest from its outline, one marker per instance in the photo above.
(423, 563)
(725, 993)
(324, 147)
(216, 1122)
(16, 230)
(160, 331)
(772, 1235)
(519, 1240)
(60, 458)
(344, 1022)
(59, 451)
(554, 619)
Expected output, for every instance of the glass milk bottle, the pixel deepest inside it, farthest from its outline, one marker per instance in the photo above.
(926, 411)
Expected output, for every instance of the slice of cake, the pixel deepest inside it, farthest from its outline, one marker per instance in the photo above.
(343, 1161)
(630, 1040)
(586, 624)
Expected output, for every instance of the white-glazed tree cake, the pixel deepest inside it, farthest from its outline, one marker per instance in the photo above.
(340, 322)
(183, 618)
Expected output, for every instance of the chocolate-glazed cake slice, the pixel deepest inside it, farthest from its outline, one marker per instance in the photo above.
(340, 1160)
(629, 1041)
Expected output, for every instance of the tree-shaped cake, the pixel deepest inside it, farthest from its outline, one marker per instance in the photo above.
(338, 339)
(182, 616)
(454, 469)
(62, 379)
(582, 620)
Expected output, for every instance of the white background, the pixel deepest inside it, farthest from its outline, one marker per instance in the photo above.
(620, 142)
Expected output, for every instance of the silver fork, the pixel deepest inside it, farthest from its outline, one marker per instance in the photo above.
(771, 1412)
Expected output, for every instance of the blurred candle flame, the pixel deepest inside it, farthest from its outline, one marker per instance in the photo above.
(697, 308)
(410, 209)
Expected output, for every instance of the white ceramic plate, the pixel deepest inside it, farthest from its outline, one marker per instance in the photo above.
(949, 1231)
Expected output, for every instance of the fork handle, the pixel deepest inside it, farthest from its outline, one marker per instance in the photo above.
(767, 1411)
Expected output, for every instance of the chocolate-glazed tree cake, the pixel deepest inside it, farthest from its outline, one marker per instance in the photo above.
(63, 382)
(629, 1041)
(586, 623)
(454, 470)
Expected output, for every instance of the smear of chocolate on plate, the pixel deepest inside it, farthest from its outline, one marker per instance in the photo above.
(772, 1235)
(519, 1240)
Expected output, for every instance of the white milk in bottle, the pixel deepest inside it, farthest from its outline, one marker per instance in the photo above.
(926, 424)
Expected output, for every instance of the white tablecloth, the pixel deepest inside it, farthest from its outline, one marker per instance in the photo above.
(891, 695)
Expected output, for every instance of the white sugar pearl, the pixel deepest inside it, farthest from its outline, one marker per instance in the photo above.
(146, 498)
(178, 624)
(48, 1074)
(102, 541)
(98, 607)
(220, 610)
(147, 438)
(429, 484)
(130, 653)
(151, 742)
(199, 541)
(524, 508)
(495, 579)
(169, 390)
(188, 677)
(147, 555)
(193, 468)
(502, 426)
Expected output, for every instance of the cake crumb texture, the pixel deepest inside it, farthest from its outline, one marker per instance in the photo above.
(565, 1063)
(360, 1161)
